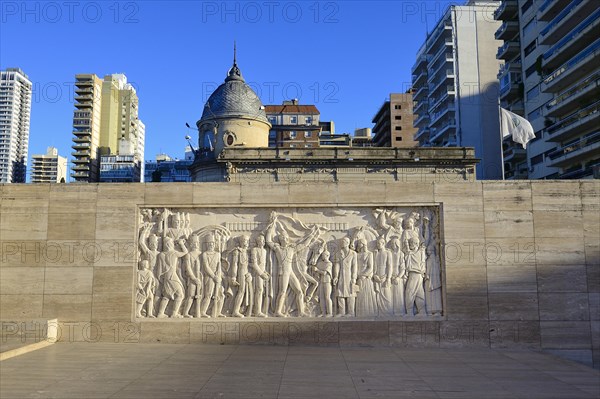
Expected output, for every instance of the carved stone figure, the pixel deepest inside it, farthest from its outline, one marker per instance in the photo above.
(344, 278)
(433, 285)
(398, 276)
(415, 267)
(241, 278)
(193, 277)
(146, 285)
(213, 288)
(409, 232)
(366, 302)
(258, 260)
(324, 268)
(172, 288)
(383, 279)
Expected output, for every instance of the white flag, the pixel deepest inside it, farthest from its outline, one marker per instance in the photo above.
(516, 126)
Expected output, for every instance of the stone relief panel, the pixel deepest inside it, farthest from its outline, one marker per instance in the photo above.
(356, 262)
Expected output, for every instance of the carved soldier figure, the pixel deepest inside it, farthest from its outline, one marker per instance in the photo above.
(172, 288)
(366, 302)
(415, 267)
(146, 284)
(410, 231)
(344, 278)
(213, 288)
(398, 277)
(193, 277)
(383, 278)
(324, 268)
(433, 286)
(258, 259)
(240, 277)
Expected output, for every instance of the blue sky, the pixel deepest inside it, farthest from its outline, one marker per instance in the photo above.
(343, 56)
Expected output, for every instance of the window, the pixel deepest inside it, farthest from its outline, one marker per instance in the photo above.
(292, 145)
(309, 145)
(293, 134)
(399, 138)
(533, 93)
(293, 119)
(398, 127)
(397, 106)
(273, 120)
(533, 115)
(529, 49)
(537, 159)
(309, 120)
(398, 117)
(307, 134)
(526, 6)
(530, 26)
(530, 70)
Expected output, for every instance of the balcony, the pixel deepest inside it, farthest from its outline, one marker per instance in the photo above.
(419, 79)
(575, 124)
(81, 153)
(421, 62)
(424, 117)
(81, 168)
(509, 50)
(422, 134)
(571, 71)
(514, 152)
(437, 117)
(566, 20)
(510, 84)
(422, 91)
(507, 31)
(576, 151)
(422, 106)
(507, 10)
(446, 129)
(575, 41)
(81, 134)
(550, 9)
(571, 99)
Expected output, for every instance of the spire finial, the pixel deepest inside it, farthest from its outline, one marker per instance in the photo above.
(234, 53)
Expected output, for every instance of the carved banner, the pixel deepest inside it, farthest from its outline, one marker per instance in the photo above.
(292, 262)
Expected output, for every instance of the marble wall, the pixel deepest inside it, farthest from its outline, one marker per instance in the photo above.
(519, 262)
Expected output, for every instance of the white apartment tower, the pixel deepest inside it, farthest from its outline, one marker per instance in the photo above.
(49, 167)
(15, 111)
(456, 86)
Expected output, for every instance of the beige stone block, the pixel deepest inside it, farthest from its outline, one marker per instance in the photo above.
(304, 333)
(208, 194)
(564, 306)
(459, 197)
(22, 280)
(69, 198)
(172, 194)
(466, 280)
(116, 225)
(71, 226)
(558, 224)
(68, 280)
(561, 278)
(20, 307)
(259, 194)
(23, 253)
(417, 193)
(113, 279)
(565, 251)
(508, 278)
(517, 251)
(594, 301)
(71, 253)
(126, 332)
(114, 253)
(508, 224)
(415, 334)
(23, 226)
(464, 334)
(23, 191)
(25, 205)
(463, 225)
(592, 255)
(461, 252)
(506, 196)
(590, 195)
(566, 334)
(232, 332)
(556, 196)
(115, 196)
(68, 307)
(312, 193)
(467, 307)
(113, 306)
(364, 333)
(515, 334)
(367, 193)
(513, 306)
(165, 332)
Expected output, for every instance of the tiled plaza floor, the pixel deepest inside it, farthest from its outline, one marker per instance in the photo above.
(83, 370)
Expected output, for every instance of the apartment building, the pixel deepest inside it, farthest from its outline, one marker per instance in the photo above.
(166, 169)
(455, 85)
(293, 125)
(49, 167)
(15, 113)
(394, 122)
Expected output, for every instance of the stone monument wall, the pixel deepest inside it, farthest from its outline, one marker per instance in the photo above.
(492, 264)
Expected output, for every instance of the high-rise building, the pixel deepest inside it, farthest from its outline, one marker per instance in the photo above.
(166, 169)
(106, 114)
(394, 122)
(15, 111)
(49, 167)
(552, 65)
(456, 87)
(293, 125)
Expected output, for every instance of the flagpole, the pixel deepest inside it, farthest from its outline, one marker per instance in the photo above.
(501, 139)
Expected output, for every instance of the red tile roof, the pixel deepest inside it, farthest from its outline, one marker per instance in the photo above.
(292, 109)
